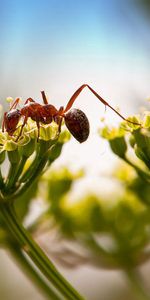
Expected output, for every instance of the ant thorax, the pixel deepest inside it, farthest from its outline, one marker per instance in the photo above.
(31, 109)
(50, 110)
(32, 105)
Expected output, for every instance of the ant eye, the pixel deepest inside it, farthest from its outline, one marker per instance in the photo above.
(78, 124)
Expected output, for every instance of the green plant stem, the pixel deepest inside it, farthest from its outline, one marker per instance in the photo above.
(12, 170)
(139, 171)
(35, 174)
(19, 169)
(30, 170)
(16, 172)
(43, 149)
(1, 180)
(107, 259)
(36, 254)
(32, 273)
(41, 161)
(136, 284)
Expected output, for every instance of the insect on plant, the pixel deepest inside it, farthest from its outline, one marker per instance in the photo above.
(75, 119)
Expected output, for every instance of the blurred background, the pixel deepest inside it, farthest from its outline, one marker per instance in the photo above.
(56, 46)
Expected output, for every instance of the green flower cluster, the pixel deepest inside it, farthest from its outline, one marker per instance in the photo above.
(110, 234)
(28, 157)
(91, 220)
(129, 136)
(22, 164)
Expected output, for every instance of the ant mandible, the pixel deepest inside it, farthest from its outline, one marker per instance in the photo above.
(75, 119)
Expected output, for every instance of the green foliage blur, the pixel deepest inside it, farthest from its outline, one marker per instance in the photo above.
(95, 229)
(112, 234)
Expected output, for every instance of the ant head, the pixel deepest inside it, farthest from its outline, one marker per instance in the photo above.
(78, 124)
(11, 120)
(13, 114)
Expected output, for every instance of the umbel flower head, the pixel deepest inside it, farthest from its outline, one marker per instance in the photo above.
(28, 157)
(129, 136)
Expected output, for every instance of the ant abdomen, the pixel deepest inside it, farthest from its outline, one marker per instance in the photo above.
(78, 124)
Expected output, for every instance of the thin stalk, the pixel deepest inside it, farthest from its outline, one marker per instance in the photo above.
(41, 160)
(20, 168)
(43, 149)
(12, 170)
(32, 273)
(107, 259)
(17, 170)
(35, 174)
(140, 172)
(1, 180)
(137, 284)
(30, 170)
(36, 254)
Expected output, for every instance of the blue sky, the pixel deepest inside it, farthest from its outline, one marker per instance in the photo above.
(58, 45)
(55, 45)
(68, 27)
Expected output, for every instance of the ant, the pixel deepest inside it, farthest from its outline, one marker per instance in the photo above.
(75, 119)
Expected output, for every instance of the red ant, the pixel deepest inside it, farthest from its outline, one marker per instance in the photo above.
(75, 120)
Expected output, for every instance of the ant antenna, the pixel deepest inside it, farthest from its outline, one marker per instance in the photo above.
(44, 97)
(79, 90)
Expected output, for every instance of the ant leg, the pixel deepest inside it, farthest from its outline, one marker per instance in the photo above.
(15, 103)
(58, 120)
(4, 121)
(38, 127)
(74, 96)
(20, 133)
(59, 117)
(29, 100)
(59, 124)
(44, 97)
(106, 103)
(79, 90)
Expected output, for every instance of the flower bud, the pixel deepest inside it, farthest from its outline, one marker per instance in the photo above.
(134, 122)
(2, 156)
(118, 146)
(28, 148)
(142, 138)
(111, 133)
(146, 121)
(55, 152)
(132, 141)
(57, 148)
(10, 145)
(49, 132)
(64, 136)
(141, 155)
(13, 156)
(116, 139)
